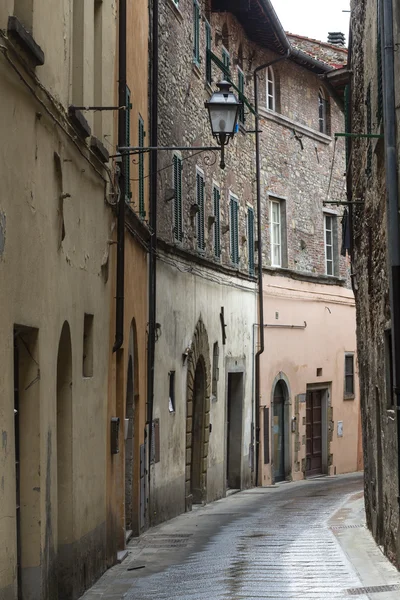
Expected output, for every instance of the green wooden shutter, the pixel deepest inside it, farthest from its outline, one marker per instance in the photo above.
(241, 90)
(127, 158)
(142, 212)
(200, 215)
(250, 236)
(234, 231)
(226, 61)
(178, 230)
(217, 223)
(208, 53)
(196, 32)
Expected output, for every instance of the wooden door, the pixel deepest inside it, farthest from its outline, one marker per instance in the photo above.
(314, 433)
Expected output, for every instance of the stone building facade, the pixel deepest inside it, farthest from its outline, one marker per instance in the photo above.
(370, 270)
(207, 255)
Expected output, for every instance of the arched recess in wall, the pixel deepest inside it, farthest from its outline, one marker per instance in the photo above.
(281, 464)
(65, 521)
(197, 417)
(131, 436)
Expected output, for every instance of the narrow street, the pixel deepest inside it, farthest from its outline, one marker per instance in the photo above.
(304, 540)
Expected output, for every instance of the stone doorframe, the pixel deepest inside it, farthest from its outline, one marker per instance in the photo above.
(199, 350)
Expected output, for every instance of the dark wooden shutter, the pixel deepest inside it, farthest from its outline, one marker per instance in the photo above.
(196, 32)
(250, 236)
(234, 226)
(200, 214)
(208, 53)
(142, 212)
(178, 230)
(217, 223)
(241, 90)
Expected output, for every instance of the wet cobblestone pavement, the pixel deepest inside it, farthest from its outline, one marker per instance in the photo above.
(274, 543)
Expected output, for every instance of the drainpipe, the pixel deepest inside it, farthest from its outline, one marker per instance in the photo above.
(153, 229)
(122, 142)
(392, 187)
(260, 269)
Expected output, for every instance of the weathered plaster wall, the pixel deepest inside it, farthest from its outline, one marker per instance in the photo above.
(372, 287)
(53, 268)
(183, 298)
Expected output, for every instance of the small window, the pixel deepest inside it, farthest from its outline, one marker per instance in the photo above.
(323, 112)
(349, 376)
(226, 61)
(171, 396)
(196, 32)
(217, 221)
(87, 363)
(276, 234)
(271, 90)
(215, 372)
(142, 212)
(208, 53)
(241, 83)
(250, 238)
(234, 230)
(201, 246)
(177, 183)
(330, 231)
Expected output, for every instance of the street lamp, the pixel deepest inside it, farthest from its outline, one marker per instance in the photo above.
(223, 109)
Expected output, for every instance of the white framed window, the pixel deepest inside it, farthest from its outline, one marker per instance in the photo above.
(322, 111)
(271, 89)
(328, 233)
(276, 233)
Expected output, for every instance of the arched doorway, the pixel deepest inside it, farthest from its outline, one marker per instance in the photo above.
(197, 481)
(64, 466)
(131, 468)
(281, 438)
(197, 417)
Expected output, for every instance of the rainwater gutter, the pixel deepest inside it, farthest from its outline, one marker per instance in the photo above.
(392, 187)
(151, 340)
(260, 265)
(122, 141)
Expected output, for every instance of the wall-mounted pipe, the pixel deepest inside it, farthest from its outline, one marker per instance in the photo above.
(260, 263)
(122, 141)
(151, 341)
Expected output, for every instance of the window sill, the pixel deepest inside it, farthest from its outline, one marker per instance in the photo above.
(349, 397)
(291, 124)
(196, 69)
(24, 38)
(175, 10)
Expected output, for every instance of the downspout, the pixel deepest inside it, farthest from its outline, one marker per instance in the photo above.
(122, 117)
(392, 187)
(153, 233)
(260, 266)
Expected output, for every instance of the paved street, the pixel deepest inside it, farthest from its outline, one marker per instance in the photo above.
(304, 540)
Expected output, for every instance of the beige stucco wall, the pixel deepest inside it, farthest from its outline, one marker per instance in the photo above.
(182, 299)
(329, 313)
(45, 282)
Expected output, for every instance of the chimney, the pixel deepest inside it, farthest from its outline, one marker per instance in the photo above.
(336, 38)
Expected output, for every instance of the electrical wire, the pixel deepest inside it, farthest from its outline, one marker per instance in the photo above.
(5, 53)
